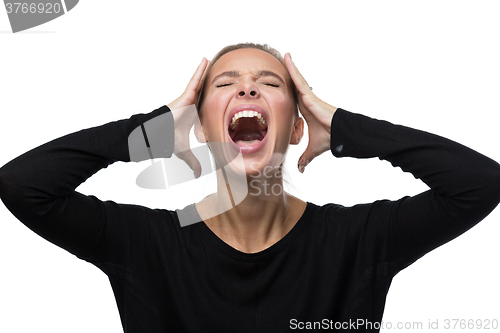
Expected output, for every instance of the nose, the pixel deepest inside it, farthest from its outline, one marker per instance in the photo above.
(248, 90)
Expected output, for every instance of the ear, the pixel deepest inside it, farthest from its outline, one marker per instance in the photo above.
(199, 132)
(298, 131)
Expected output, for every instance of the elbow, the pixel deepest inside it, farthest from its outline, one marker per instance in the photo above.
(488, 196)
(7, 190)
(496, 185)
(492, 183)
(15, 199)
(3, 185)
(479, 200)
(12, 193)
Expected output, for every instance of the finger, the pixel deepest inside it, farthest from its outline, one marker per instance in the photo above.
(188, 157)
(195, 80)
(301, 83)
(305, 159)
(303, 109)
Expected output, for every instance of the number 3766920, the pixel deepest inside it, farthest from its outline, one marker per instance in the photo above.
(32, 8)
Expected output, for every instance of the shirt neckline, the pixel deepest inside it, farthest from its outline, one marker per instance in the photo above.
(261, 255)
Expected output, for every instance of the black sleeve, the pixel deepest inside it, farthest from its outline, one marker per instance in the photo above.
(38, 187)
(464, 185)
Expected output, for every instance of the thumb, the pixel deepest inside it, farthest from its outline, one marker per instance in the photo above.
(305, 159)
(188, 157)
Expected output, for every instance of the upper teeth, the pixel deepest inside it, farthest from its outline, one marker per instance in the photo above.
(247, 113)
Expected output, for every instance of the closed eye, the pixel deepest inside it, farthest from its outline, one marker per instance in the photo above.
(223, 85)
(267, 84)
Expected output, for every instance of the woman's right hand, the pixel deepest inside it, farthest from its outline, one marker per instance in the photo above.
(189, 95)
(185, 116)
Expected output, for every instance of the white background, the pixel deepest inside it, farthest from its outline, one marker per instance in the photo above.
(431, 65)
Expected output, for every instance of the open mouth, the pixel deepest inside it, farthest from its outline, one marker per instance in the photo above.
(247, 128)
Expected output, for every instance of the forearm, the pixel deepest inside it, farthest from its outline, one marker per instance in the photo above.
(447, 167)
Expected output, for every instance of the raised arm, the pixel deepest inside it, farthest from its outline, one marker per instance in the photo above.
(464, 185)
(38, 187)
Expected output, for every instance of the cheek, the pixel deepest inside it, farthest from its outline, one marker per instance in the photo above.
(216, 101)
(282, 104)
(213, 110)
(284, 115)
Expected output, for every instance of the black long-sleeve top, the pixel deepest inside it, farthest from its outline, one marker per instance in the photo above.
(331, 270)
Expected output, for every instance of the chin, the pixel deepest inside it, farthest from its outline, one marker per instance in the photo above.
(266, 166)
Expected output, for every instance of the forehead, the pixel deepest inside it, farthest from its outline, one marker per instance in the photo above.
(248, 60)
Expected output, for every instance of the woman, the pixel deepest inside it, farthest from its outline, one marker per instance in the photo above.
(265, 261)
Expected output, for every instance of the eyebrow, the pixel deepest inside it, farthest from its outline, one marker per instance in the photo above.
(259, 74)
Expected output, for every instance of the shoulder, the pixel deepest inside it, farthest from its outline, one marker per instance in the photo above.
(363, 215)
(368, 229)
(136, 223)
(132, 229)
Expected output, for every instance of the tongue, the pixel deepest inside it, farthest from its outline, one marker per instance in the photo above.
(247, 137)
(247, 132)
(247, 143)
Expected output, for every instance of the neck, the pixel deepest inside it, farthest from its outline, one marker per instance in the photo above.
(253, 222)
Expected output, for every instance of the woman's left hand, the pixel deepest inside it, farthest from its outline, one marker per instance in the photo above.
(316, 113)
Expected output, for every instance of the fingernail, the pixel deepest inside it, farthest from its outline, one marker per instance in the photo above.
(301, 166)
